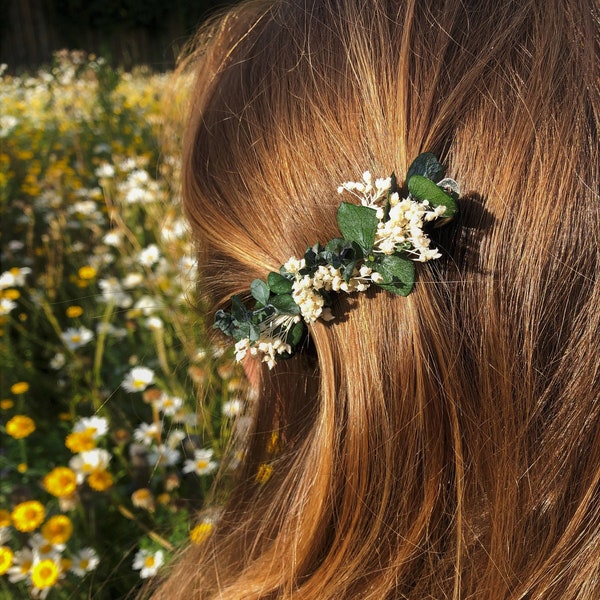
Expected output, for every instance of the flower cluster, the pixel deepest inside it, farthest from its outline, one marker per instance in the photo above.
(105, 458)
(89, 463)
(307, 290)
(44, 559)
(268, 345)
(382, 238)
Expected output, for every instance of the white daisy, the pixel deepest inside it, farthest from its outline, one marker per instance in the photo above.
(85, 561)
(14, 277)
(149, 255)
(132, 280)
(89, 461)
(164, 456)
(112, 291)
(155, 323)
(147, 305)
(105, 171)
(99, 425)
(58, 361)
(147, 433)
(148, 563)
(6, 306)
(169, 405)
(201, 464)
(232, 408)
(21, 566)
(113, 238)
(43, 549)
(175, 438)
(76, 337)
(138, 379)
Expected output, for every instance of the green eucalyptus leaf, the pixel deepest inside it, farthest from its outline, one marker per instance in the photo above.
(253, 332)
(358, 224)
(296, 334)
(238, 309)
(240, 331)
(224, 322)
(278, 284)
(347, 270)
(398, 274)
(342, 254)
(422, 189)
(336, 246)
(426, 165)
(260, 291)
(311, 255)
(284, 303)
(351, 252)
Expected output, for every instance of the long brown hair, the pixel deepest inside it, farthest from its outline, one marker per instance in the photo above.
(447, 444)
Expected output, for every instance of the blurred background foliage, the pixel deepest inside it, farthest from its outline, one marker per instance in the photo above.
(116, 409)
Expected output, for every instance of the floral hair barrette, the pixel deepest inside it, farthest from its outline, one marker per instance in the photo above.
(382, 238)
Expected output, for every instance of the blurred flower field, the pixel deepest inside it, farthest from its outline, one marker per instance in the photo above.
(114, 409)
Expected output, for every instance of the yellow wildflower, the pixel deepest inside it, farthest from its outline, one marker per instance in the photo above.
(45, 574)
(74, 311)
(164, 498)
(65, 564)
(6, 558)
(80, 441)
(57, 529)
(22, 467)
(28, 515)
(20, 426)
(100, 480)
(19, 388)
(60, 482)
(201, 532)
(87, 272)
(264, 473)
(4, 518)
(6, 404)
(143, 498)
(274, 444)
(12, 294)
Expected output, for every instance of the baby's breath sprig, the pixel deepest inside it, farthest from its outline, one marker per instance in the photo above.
(382, 238)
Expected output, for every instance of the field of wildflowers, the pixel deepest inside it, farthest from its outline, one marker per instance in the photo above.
(114, 408)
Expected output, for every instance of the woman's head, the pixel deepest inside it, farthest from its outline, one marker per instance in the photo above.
(445, 444)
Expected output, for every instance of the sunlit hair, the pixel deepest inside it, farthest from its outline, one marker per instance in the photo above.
(444, 445)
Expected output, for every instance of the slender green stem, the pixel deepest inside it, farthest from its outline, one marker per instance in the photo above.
(23, 451)
(161, 351)
(51, 318)
(99, 352)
